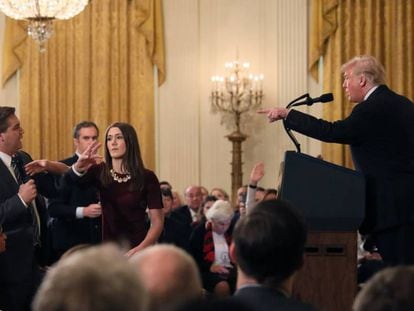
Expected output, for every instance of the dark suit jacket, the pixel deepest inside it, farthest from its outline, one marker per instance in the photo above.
(380, 133)
(67, 230)
(19, 263)
(262, 298)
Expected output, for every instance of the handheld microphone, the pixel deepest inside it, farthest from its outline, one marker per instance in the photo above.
(324, 98)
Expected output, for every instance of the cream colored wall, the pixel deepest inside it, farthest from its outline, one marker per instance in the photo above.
(201, 35)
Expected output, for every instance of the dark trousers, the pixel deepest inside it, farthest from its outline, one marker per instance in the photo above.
(18, 296)
(396, 245)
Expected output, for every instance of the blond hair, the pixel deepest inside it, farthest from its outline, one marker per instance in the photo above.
(367, 65)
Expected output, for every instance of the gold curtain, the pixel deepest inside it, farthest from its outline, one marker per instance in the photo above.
(342, 29)
(98, 66)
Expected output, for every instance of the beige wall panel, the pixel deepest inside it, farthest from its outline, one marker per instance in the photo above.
(178, 104)
(201, 36)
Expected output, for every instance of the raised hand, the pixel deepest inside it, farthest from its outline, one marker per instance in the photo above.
(88, 158)
(274, 114)
(257, 173)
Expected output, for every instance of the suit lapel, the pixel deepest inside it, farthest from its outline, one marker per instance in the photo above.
(7, 178)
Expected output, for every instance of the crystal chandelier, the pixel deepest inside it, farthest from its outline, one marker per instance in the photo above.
(40, 14)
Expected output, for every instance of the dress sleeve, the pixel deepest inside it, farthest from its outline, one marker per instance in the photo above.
(152, 186)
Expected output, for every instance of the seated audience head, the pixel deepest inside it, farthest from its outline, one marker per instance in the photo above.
(270, 194)
(170, 276)
(177, 202)
(276, 234)
(96, 278)
(241, 197)
(193, 197)
(389, 289)
(220, 194)
(167, 201)
(165, 185)
(220, 215)
(207, 203)
(204, 192)
(260, 193)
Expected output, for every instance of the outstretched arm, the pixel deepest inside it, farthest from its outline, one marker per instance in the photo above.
(275, 114)
(40, 166)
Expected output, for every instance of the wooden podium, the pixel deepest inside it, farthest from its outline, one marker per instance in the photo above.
(332, 200)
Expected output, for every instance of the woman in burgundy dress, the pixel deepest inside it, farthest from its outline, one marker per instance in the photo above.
(127, 189)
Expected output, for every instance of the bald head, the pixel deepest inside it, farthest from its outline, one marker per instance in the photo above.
(193, 197)
(169, 274)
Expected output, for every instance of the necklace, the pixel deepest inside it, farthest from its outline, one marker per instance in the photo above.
(120, 178)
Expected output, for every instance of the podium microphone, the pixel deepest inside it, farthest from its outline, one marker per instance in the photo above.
(324, 98)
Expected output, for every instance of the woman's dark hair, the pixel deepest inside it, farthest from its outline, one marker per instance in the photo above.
(165, 192)
(131, 161)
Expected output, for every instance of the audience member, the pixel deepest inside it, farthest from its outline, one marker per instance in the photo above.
(220, 194)
(170, 276)
(205, 206)
(177, 201)
(209, 244)
(389, 289)
(175, 231)
(98, 278)
(165, 185)
(268, 248)
(189, 213)
(260, 193)
(204, 192)
(241, 199)
(256, 175)
(76, 212)
(270, 194)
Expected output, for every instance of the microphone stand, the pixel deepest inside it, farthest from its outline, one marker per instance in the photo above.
(288, 130)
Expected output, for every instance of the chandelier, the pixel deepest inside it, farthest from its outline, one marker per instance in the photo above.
(40, 15)
(237, 93)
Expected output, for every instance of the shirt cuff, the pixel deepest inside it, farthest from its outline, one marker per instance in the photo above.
(79, 212)
(21, 199)
(76, 172)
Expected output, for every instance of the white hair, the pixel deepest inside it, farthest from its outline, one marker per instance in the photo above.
(220, 211)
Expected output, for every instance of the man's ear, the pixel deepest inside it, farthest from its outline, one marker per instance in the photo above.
(362, 80)
(232, 252)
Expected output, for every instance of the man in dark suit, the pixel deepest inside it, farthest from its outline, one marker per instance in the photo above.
(23, 217)
(380, 132)
(189, 214)
(268, 248)
(77, 212)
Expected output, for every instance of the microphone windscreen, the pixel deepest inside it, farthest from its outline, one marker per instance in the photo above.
(328, 97)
